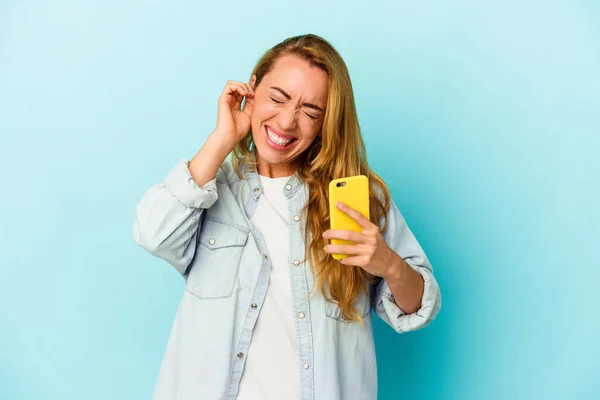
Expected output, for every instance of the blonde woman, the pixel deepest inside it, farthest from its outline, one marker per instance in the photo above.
(267, 312)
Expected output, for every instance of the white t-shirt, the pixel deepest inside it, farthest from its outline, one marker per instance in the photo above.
(272, 369)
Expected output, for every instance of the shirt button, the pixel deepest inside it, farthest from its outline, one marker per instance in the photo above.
(211, 241)
(254, 305)
(301, 315)
(256, 189)
(305, 366)
(266, 257)
(296, 262)
(296, 218)
(240, 355)
(288, 187)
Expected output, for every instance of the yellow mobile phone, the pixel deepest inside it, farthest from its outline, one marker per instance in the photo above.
(353, 191)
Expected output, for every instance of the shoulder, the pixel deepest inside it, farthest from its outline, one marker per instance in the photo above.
(226, 173)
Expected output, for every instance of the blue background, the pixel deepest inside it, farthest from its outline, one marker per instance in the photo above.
(483, 119)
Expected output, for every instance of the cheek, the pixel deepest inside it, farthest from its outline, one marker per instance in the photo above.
(309, 131)
(262, 111)
(256, 117)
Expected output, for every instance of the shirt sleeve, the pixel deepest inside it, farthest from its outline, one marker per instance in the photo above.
(168, 216)
(401, 239)
(183, 187)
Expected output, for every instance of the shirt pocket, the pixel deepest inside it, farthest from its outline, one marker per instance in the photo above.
(215, 267)
(362, 304)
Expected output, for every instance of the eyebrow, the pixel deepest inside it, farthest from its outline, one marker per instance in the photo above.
(310, 105)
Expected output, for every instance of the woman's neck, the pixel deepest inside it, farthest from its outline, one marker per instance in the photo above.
(273, 170)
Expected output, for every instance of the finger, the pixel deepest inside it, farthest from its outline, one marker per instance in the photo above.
(355, 215)
(249, 88)
(246, 90)
(248, 105)
(234, 101)
(235, 88)
(233, 94)
(356, 261)
(353, 236)
(238, 90)
(342, 249)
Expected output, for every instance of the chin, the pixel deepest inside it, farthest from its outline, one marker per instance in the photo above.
(270, 156)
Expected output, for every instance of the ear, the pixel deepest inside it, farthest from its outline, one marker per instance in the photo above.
(253, 81)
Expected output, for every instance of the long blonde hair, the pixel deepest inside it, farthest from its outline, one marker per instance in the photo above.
(338, 151)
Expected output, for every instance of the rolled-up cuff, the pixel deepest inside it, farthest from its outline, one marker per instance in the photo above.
(182, 185)
(397, 318)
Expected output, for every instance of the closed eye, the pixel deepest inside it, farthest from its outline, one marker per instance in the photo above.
(277, 101)
(311, 116)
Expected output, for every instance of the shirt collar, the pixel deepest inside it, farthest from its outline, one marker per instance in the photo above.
(251, 175)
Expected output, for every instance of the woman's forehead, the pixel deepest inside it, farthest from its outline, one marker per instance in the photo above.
(298, 77)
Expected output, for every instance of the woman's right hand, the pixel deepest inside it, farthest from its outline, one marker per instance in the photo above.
(232, 122)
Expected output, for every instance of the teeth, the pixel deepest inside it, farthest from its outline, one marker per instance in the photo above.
(278, 139)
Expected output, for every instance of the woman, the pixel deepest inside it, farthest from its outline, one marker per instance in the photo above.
(267, 312)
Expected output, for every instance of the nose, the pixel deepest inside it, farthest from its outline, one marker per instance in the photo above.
(289, 117)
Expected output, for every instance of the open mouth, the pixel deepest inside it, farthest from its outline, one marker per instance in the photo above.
(277, 140)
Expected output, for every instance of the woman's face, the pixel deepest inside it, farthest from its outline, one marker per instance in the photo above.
(287, 113)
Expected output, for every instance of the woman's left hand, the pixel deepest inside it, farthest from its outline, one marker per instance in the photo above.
(370, 251)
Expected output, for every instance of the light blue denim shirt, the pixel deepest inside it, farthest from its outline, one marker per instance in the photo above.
(206, 234)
